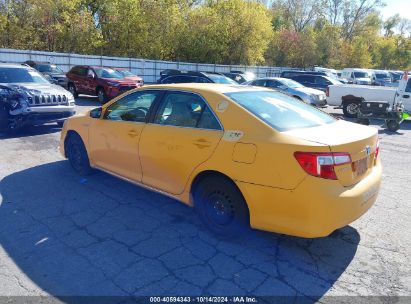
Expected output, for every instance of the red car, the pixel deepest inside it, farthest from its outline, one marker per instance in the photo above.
(128, 75)
(103, 82)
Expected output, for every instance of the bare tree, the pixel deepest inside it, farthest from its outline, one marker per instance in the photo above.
(298, 12)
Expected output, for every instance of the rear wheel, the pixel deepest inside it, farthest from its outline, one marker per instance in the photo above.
(221, 206)
(393, 125)
(350, 109)
(77, 154)
(72, 88)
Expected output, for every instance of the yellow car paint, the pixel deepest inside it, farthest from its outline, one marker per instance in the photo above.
(280, 195)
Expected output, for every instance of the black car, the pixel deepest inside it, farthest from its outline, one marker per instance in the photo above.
(177, 76)
(240, 76)
(50, 71)
(291, 74)
(316, 81)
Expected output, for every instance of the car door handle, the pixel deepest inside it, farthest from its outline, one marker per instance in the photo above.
(133, 133)
(406, 96)
(202, 143)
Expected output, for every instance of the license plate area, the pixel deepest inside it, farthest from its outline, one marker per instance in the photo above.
(360, 166)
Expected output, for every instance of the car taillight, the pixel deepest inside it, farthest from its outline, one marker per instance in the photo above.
(322, 164)
(327, 92)
(377, 149)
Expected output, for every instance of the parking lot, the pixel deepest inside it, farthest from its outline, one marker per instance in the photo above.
(64, 235)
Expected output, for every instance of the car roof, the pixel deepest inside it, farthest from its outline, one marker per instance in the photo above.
(207, 87)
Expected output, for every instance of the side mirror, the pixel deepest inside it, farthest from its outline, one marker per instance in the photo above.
(96, 113)
(90, 76)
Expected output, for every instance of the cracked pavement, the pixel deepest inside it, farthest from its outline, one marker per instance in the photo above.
(63, 235)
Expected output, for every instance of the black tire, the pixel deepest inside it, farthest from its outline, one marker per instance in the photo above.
(72, 88)
(350, 109)
(393, 125)
(77, 154)
(102, 97)
(363, 121)
(221, 206)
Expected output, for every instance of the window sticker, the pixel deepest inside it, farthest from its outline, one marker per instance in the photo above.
(222, 106)
(233, 135)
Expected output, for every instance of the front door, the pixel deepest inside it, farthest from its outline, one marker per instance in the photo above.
(114, 139)
(184, 134)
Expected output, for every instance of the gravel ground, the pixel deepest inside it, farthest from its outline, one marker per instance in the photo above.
(62, 235)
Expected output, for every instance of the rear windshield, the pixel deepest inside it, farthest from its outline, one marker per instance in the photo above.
(221, 79)
(382, 75)
(49, 68)
(20, 75)
(291, 83)
(280, 111)
(360, 75)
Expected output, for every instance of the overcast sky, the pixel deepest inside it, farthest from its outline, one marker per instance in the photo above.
(402, 7)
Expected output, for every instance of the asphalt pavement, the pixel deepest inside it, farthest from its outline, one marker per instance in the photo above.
(64, 235)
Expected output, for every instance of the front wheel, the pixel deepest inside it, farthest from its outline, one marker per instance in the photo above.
(221, 206)
(102, 97)
(72, 89)
(350, 109)
(77, 154)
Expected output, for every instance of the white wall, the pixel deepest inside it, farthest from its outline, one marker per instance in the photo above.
(148, 69)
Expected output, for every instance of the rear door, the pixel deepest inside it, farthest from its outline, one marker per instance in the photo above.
(184, 133)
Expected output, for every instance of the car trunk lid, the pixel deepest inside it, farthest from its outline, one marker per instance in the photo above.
(360, 142)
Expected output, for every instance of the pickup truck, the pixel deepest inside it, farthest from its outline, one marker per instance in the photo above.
(350, 96)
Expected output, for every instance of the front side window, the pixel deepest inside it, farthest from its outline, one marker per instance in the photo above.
(280, 111)
(186, 110)
(132, 107)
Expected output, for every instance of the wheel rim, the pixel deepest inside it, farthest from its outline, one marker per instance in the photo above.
(101, 95)
(352, 108)
(219, 208)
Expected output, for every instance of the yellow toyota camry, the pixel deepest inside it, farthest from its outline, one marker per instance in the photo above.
(242, 156)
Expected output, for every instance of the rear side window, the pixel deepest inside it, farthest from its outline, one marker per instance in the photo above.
(280, 111)
(186, 110)
(408, 87)
(78, 70)
(259, 82)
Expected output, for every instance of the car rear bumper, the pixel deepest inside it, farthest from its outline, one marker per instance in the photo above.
(316, 208)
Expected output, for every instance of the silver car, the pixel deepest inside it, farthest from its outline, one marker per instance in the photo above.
(290, 87)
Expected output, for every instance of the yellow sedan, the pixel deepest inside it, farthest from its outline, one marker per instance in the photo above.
(242, 156)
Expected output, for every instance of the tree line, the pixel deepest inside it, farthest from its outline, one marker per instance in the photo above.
(296, 33)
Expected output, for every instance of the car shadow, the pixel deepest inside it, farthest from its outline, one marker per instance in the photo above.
(87, 101)
(31, 131)
(101, 236)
